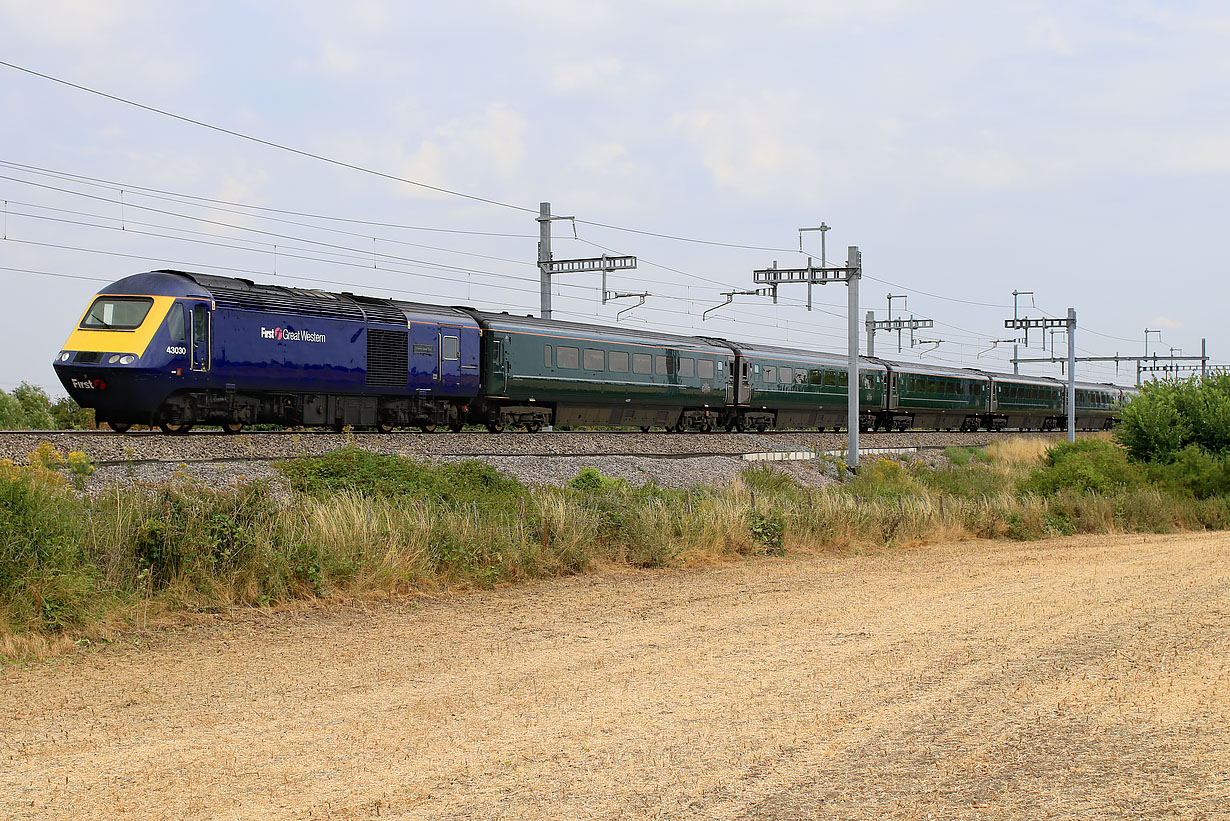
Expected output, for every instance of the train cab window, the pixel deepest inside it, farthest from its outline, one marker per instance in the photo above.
(642, 363)
(595, 359)
(567, 357)
(687, 367)
(785, 374)
(770, 373)
(618, 361)
(176, 327)
(704, 368)
(117, 313)
(665, 365)
(546, 356)
(450, 348)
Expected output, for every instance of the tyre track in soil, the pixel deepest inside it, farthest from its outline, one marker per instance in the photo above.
(1078, 678)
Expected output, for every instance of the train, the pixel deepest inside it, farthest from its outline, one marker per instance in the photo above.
(173, 349)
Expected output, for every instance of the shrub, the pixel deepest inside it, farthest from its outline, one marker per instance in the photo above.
(884, 477)
(1193, 471)
(594, 481)
(353, 469)
(1168, 416)
(46, 578)
(1086, 464)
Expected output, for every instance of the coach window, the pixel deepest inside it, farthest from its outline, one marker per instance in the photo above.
(595, 359)
(843, 379)
(785, 374)
(176, 327)
(449, 348)
(770, 373)
(546, 356)
(642, 363)
(618, 361)
(687, 367)
(665, 365)
(704, 368)
(830, 379)
(567, 357)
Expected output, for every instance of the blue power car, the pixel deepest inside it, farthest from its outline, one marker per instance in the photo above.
(174, 349)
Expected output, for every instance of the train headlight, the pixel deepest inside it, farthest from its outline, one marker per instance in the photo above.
(127, 359)
(111, 360)
(64, 356)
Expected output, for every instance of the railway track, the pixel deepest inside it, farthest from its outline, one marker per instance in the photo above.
(204, 447)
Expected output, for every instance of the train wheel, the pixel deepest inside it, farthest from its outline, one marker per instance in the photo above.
(495, 427)
(119, 427)
(644, 429)
(533, 427)
(740, 426)
(173, 428)
(706, 427)
(384, 427)
(456, 427)
(430, 427)
(761, 428)
(232, 428)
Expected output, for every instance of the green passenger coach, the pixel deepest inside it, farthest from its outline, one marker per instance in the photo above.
(535, 373)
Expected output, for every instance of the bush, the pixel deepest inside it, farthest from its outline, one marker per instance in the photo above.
(46, 578)
(884, 477)
(1086, 464)
(593, 480)
(351, 468)
(29, 407)
(1193, 471)
(1168, 416)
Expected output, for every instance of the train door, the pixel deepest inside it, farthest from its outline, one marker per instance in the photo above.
(200, 337)
(744, 386)
(892, 390)
(448, 365)
(498, 381)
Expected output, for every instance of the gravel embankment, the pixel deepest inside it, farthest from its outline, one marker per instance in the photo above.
(110, 447)
(548, 458)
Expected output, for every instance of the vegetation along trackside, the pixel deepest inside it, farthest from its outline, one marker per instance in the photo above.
(74, 566)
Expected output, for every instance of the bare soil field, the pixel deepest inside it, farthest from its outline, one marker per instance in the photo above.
(1078, 678)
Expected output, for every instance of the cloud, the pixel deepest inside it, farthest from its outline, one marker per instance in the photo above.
(1166, 322)
(488, 144)
(67, 22)
(577, 76)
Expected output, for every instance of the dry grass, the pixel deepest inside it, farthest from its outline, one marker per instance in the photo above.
(1081, 678)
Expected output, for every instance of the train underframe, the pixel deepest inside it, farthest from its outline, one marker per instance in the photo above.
(234, 410)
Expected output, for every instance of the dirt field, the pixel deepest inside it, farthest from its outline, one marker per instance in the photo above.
(1084, 678)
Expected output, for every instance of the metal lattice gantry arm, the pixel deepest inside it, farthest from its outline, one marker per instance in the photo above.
(850, 273)
(1069, 325)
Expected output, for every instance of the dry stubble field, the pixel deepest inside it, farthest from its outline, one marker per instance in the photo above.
(1084, 678)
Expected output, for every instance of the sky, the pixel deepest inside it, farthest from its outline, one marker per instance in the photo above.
(1080, 151)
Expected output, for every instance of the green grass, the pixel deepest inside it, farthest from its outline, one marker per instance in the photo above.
(358, 522)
